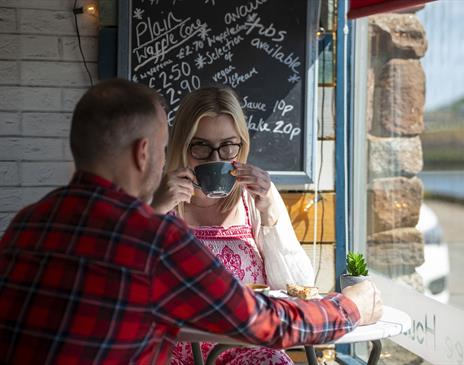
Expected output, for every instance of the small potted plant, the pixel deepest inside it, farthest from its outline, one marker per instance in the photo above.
(356, 270)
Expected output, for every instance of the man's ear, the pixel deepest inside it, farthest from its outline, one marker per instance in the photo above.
(140, 152)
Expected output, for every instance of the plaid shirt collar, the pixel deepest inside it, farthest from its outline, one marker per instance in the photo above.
(81, 177)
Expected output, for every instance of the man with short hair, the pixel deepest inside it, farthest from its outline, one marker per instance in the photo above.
(91, 275)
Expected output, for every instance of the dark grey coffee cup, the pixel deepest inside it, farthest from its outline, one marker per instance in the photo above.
(215, 179)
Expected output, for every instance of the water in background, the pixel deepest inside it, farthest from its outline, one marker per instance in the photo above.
(446, 183)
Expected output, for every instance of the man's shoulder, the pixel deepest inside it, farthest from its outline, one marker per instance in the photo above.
(168, 225)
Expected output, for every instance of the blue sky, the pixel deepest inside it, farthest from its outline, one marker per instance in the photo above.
(444, 61)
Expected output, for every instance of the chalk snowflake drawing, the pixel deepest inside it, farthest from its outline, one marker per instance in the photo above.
(251, 18)
(134, 78)
(213, 2)
(138, 13)
(204, 32)
(200, 61)
(294, 78)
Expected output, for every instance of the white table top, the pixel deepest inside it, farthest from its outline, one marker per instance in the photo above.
(392, 323)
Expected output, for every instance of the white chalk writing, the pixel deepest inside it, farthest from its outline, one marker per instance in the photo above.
(177, 45)
(286, 128)
(252, 105)
(190, 49)
(154, 29)
(158, 44)
(154, 70)
(268, 31)
(215, 54)
(283, 107)
(222, 74)
(291, 61)
(261, 126)
(280, 127)
(242, 11)
(223, 36)
(236, 79)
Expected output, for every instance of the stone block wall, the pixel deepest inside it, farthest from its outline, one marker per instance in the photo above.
(396, 98)
(41, 78)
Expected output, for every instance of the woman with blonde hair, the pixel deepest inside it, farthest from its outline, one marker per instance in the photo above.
(249, 231)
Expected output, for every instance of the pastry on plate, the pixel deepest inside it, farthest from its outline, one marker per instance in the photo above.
(303, 292)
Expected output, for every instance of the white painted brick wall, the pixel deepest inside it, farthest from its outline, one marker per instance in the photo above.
(67, 152)
(71, 48)
(39, 4)
(54, 73)
(70, 98)
(32, 149)
(46, 173)
(23, 98)
(46, 124)
(9, 72)
(41, 78)
(5, 218)
(39, 47)
(9, 173)
(9, 124)
(9, 45)
(34, 21)
(15, 46)
(13, 199)
(8, 21)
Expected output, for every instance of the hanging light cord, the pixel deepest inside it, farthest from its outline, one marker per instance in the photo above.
(80, 45)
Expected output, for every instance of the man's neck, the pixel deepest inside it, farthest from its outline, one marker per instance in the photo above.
(122, 177)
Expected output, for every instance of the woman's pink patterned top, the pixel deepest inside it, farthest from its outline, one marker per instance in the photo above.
(236, 248)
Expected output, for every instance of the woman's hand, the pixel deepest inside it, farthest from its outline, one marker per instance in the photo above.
(175, 187)
(258, 183)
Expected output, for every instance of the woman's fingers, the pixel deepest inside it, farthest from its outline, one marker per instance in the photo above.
(184, 173)
(256, 190)
(258, 183)
(176, 187)
(180, 185)
(250, 172)
(183, 196)
(253, 178)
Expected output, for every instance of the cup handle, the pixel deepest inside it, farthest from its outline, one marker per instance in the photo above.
(195, 185)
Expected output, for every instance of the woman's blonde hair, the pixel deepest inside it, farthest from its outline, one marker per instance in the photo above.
(206, 102)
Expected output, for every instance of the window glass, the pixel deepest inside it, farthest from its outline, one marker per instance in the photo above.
(414, 169)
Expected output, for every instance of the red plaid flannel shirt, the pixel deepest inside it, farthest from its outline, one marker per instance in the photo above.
(90, 275)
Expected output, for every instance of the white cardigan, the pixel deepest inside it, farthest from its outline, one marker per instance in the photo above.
(285, 261)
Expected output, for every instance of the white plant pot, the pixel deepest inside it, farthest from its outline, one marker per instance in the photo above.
(347, 280)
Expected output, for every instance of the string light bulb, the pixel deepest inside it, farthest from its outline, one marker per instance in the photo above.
(90, 9)
(320, 33)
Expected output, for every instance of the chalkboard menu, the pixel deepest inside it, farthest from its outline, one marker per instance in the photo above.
(263, 49)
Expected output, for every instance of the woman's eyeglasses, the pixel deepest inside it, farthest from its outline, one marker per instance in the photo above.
(202, 151)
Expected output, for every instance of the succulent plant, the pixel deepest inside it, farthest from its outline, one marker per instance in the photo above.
(355, 264)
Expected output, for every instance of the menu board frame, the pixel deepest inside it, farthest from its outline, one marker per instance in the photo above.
(294, 179)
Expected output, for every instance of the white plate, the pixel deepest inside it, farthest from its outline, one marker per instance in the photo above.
(278, 294)
(283, 294)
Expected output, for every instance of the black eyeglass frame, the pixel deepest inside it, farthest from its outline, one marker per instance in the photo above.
(212, 149)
